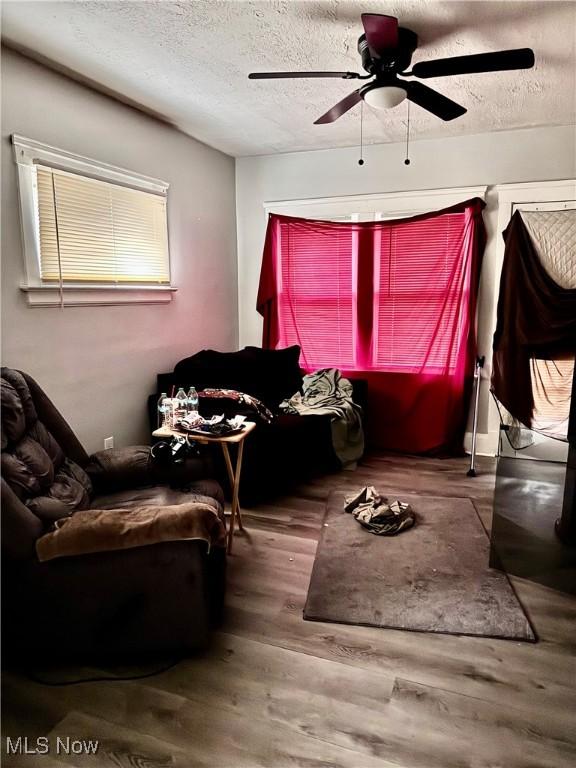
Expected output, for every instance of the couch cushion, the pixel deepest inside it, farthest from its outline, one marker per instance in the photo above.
(303, 434)
(69, 492)
(14, 415)
(210, 368)
(33, 464)
(18, 412)
(26, 469)
(267, 374)
(206, 491)
(276, 373)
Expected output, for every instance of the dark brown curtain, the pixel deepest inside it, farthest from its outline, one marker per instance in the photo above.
(536, 321)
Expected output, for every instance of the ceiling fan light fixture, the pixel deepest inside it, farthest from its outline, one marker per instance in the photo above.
(386, 50)
(384, 96)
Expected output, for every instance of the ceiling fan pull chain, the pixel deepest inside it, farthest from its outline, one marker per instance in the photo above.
(361, 161)
(407, 161)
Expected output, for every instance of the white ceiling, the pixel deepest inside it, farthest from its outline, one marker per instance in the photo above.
(189, 61)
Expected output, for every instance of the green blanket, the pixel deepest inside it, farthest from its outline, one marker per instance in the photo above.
(326, 392)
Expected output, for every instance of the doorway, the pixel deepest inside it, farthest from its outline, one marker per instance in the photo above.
(537, 446)
(532, 467)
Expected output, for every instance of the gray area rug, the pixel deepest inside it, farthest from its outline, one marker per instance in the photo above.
(433, 577)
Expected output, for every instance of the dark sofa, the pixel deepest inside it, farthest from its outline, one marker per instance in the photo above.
(157, 598)
(292, 448)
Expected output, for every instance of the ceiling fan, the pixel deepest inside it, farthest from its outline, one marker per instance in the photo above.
(386, 52)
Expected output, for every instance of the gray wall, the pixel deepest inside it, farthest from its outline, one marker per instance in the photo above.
(99, 363)
(504, 157)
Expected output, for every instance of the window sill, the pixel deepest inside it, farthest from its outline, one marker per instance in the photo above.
(81, 295)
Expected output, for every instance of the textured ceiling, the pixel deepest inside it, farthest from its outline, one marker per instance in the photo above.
(188, 61)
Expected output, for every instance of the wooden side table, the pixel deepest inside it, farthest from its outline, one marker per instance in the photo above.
(234, 471)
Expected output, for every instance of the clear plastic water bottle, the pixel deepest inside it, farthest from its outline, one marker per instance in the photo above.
(181, 405)
(192, 400)
(162, 410)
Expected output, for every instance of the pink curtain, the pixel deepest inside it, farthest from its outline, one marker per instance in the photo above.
(390, 301)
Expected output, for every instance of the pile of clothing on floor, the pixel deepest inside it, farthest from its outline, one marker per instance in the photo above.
(374, 512)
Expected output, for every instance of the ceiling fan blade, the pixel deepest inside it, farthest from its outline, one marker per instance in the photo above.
(434, 102)
(274, 75)
(520, 58)
(381, 32)
(339, 109)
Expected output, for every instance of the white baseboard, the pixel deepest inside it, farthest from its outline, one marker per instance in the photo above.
(486, 443)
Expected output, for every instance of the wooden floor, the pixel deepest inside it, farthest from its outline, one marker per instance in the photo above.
(275, 690)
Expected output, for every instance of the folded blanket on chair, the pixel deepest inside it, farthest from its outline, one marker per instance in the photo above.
(102, 530)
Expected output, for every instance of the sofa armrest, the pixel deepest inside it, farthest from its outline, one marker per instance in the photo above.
(360, 394)
(133, 467)
(152, 599)
(20, 526)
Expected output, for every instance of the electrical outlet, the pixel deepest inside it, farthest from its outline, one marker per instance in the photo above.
(108, 442)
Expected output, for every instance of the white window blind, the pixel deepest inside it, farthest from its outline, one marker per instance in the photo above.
(98, 232)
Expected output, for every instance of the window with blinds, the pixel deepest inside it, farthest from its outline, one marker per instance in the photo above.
(93, 231)
(316, 301)
(418, 276)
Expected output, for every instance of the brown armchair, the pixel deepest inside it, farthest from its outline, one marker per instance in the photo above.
(156, 598)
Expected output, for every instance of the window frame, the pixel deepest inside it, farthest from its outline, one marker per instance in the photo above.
(27, 154)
